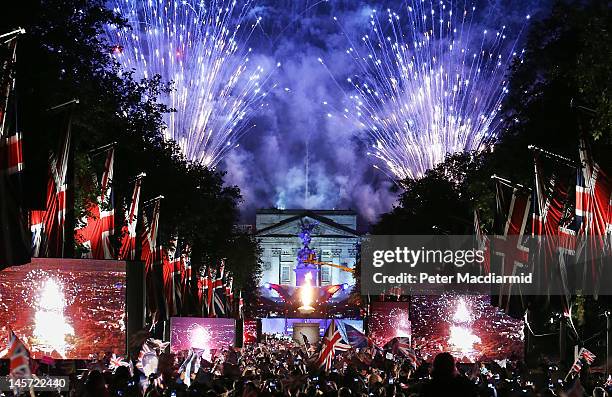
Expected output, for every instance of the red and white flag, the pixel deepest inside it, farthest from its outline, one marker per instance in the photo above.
(149, 256)
(332, 343)
(48, 225)
(128, 236)
(19, 357)
(99, 226)
(14, 239)
(508, 246)
(593, 216)
(482, 244)
(240, 305)
(587, 356)
(168, 282)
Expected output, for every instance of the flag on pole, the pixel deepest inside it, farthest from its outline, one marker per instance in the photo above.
(482, 243)
(99, 225)
(593, 216)
(14, 244)
(550, 198)
(116, 362)
(48, 225)
(508, 248)
(587, 356)
(240, 305)
(210, 292)
(203, 290)
(19, 356)
(167, 267)
(229, 295)
(128, 234)
(332, 342)
(149, 256)
(219, 291)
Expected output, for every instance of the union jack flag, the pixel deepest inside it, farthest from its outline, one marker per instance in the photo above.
(203, 281)
(508, 246)
(400, 346)
(550, 199)
(128, 237)
(99, 226)
(354, 337)
(19, 357)
(116, 362)
(219, 292)
(593, 215)
(577, 366)
(587, 356)
(14, 245)
(150, 255)
(167, 268)
(48, 225)
(229, 294)
(332, 343)
(240, 305)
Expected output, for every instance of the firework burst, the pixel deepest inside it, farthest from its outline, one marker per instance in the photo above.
(198, 46)
(427, 85)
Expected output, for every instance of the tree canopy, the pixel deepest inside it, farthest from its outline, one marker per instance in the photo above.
(63, 56)
(559, 93)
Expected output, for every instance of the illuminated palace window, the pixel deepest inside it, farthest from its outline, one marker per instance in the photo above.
(325, 275)
(285, 274)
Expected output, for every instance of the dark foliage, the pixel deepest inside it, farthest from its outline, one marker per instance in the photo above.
(63, 56)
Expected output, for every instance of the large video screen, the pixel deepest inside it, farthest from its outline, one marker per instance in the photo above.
(201, 333)
(389, 320)
(284, 326)
(65, 308)
(467, 326)
(249, 332)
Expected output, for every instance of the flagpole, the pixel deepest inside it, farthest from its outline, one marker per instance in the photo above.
(103, 148)
(553, 156)
(608, 331)
(61, 105)
(137, 177)
(573, 106)
(15, 32)
(151, 201)
(509, 183)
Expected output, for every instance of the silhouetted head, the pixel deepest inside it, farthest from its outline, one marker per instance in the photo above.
(444, 366)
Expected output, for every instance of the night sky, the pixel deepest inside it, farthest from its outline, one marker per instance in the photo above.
(294, 129)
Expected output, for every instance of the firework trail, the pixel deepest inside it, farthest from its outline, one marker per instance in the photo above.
(427, 85)
(198, 46)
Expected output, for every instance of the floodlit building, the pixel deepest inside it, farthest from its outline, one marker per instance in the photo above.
(334, 239)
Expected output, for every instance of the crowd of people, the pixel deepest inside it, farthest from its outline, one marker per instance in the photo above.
(279, 367)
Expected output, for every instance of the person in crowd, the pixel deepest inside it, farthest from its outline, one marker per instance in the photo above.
(446, 380)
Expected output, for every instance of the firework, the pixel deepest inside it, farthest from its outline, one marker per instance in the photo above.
(427, 85)
(198, 46)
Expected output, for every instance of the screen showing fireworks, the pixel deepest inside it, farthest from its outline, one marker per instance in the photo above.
(389, 320)
(65, 308)
(467, 326)
(201, 333)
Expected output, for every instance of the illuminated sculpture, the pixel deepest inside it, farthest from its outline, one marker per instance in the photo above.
(306, 254)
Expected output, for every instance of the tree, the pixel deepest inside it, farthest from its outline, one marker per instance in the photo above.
(441, 202)
(63, 56)
(558, 93)
(561, 90)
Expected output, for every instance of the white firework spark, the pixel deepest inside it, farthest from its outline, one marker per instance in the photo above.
(428, 85)
(199, 46)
